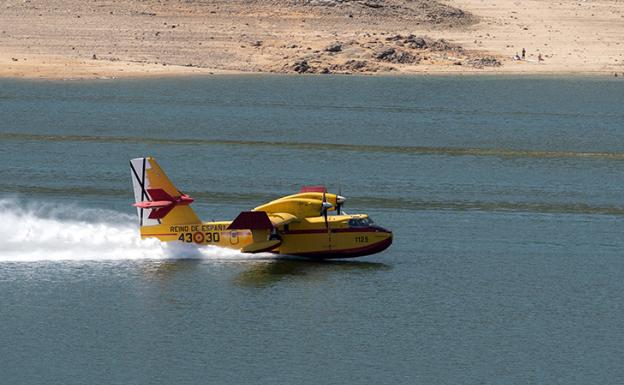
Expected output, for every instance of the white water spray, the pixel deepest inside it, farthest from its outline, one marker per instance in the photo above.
(53, 232)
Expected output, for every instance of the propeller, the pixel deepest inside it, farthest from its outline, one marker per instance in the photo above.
(340, 200)
(324, 207)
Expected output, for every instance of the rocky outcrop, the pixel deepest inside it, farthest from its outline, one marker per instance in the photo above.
(393, 55)
(301, 66)
(481, 62)
(334, 47)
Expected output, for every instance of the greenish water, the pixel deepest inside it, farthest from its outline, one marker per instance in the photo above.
(505, 196)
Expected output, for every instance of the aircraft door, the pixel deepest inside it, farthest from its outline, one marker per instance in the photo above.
(234, 238)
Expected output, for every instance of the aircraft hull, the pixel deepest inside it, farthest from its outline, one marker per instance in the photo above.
(348, 253)
(315, 243)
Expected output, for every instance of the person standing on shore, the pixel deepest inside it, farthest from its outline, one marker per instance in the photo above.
(523, 53)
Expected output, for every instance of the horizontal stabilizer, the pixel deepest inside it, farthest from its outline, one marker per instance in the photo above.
(162, 203)
(251, 220)
(152, 204)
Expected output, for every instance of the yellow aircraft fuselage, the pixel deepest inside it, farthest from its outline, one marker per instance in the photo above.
(308, 237)
(293, 225)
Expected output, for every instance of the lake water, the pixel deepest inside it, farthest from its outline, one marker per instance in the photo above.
(505, 196)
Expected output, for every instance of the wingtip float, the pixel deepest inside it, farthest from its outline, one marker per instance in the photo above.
(297, 224)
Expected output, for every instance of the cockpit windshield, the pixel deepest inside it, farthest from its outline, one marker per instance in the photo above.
(360, 222)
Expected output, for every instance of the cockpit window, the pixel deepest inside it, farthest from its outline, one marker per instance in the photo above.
(360, 222)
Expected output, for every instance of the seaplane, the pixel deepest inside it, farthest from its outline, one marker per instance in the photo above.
(293, 225)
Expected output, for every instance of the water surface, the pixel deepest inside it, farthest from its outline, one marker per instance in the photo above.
(504, 195)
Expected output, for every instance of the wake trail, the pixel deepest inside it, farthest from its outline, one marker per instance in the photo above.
(53, 232)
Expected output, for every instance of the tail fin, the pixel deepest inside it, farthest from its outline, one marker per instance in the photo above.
(157, 200)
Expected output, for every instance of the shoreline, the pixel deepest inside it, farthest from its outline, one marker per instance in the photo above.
(60, 69)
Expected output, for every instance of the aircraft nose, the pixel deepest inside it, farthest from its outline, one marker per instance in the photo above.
(385, 234)
(383, 238)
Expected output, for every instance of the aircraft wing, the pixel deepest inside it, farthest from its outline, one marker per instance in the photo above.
(260, 225)
(281, 219)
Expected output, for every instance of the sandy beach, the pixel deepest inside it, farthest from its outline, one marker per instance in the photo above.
(86, 39)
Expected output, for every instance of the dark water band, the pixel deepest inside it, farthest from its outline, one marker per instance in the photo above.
(408, 150)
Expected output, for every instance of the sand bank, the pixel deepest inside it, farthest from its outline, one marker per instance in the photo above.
(70, 39)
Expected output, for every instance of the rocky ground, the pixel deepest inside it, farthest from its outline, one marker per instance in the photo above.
(90, 38)
(387, 53)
